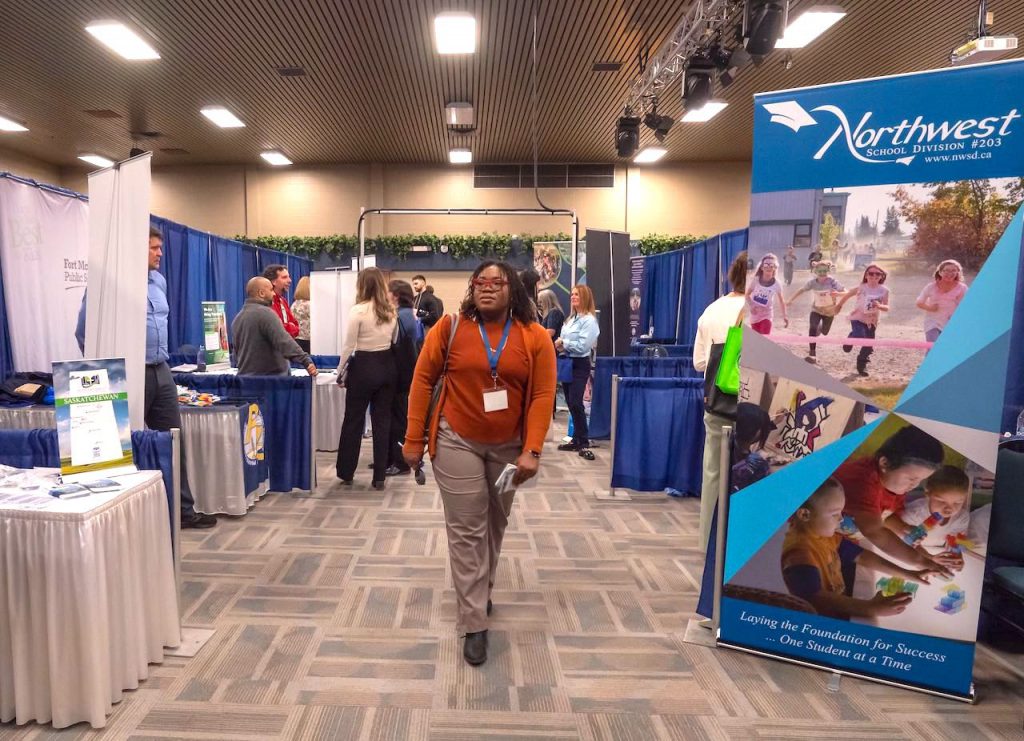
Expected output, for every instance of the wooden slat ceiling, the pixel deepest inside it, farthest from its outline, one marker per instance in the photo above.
(375, 90)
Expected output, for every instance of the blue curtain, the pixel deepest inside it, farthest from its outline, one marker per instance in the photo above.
(286, 402)
(700, 286)
(186, 266)
(733, 243)
(234, 264)
(659, 442)
(605, 368)
(662, 292)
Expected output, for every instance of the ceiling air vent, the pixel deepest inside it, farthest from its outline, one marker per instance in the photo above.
(291, 71)
(103, 113)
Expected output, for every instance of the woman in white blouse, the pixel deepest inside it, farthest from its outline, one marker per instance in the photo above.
(370, 376)
(578, 340)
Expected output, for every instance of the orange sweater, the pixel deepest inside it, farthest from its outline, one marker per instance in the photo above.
(526, 369)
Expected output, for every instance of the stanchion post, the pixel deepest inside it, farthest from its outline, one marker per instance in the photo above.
(176, 506)
(312, 434)
(723, 515)
(612, 493)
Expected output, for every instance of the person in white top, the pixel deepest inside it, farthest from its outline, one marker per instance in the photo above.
(941, 297)
(712, 329)
(367, 370)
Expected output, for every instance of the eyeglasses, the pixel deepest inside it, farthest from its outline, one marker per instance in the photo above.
(489, 283)
(874, 274)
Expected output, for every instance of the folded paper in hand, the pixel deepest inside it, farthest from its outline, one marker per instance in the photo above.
(504, 484)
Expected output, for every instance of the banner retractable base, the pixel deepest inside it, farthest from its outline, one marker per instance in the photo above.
(970, 698)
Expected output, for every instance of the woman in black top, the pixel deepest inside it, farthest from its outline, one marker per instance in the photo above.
(552, 316)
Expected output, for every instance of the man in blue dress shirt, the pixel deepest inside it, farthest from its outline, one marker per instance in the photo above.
(161, 405)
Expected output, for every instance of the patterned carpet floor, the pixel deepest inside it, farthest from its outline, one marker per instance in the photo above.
(334, 620)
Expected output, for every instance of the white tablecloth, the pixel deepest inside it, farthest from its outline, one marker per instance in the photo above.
(87, 601)
(35, 417)
(329, 401)
(216, 475)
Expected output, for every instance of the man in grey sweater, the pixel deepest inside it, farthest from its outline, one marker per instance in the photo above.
(262, 345)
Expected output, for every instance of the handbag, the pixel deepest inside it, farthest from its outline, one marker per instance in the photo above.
(435, 394)
(723, 362)
(564, 369)
(343, 370)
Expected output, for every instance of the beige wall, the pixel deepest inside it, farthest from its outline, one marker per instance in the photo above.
(680, 198)
(27, 167)
(449, 286)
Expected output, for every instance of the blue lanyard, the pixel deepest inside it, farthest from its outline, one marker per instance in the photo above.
(492, 354)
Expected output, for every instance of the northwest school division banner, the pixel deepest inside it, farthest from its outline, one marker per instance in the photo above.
(886, 240)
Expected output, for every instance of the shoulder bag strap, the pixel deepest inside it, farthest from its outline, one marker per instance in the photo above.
(454, 323)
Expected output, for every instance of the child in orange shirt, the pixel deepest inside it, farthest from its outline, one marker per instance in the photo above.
(813, 556)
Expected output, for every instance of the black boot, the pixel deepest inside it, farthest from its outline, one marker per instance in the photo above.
(474, 650)
(862, 367)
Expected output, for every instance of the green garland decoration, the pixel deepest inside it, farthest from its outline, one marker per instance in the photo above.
(458, 246)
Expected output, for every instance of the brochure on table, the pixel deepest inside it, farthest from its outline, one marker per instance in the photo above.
(880, 433)
(93, 426)
(215, 332)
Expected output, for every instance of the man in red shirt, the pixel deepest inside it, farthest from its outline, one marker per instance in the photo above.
(281, 282)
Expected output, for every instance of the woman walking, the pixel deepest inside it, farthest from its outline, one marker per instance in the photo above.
(407, 350)
(872, 298)
(497, 369)
(941, 297)
(367, 370)
(577, 340)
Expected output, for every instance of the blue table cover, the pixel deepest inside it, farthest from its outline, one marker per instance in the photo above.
(605, 368)
(659, 440)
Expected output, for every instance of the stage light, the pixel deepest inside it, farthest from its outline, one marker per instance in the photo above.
(739, 59)
(650, 154)
(697, 83)
(7, 124)
(275, 158)
(122, 40)
(95, 159)
(222, 117)
(660, 125)
(460, 156)
(455, 33)
(627, 136)
(706, 112)
(763, 23)
(809, 25)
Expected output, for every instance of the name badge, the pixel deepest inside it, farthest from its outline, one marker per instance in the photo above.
(495, 400)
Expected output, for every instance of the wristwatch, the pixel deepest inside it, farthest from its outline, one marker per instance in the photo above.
(534, 453)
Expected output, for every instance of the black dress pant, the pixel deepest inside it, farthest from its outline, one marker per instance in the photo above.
(161, 413)
(399, 421)
(370, 382)
(574, 398)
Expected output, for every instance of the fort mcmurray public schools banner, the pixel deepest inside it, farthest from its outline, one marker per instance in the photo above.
(885, 246)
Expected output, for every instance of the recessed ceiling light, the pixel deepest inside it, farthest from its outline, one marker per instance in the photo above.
(222, 117)
(455, 33)
(7, 124)
(706, 112)
(275, 158)
(95, 159)
(460, 156)
(121, 39)
(809, 25)
(650, 154)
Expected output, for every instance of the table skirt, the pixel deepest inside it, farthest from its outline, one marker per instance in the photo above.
(87, 602)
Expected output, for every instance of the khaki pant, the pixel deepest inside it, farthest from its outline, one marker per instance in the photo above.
(712, 480)
(475, 517)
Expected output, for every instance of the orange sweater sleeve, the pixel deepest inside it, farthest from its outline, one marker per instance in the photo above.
(542, 389)
(428, 370)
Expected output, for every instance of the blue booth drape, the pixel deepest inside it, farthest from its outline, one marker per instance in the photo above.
(605, 368)
(733, 243)
(700, 286)
(201, 267)
(153, 451)
(659, 440)
(661, 299)
(287, 405)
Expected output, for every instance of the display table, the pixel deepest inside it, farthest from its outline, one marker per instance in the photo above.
(87, 600)
(287, 404)
(226, 462)
(34, 417)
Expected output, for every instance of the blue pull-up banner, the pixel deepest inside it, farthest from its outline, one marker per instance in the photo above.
(862, 475)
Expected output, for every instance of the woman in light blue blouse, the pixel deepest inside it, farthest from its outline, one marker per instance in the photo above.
(577, 340)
